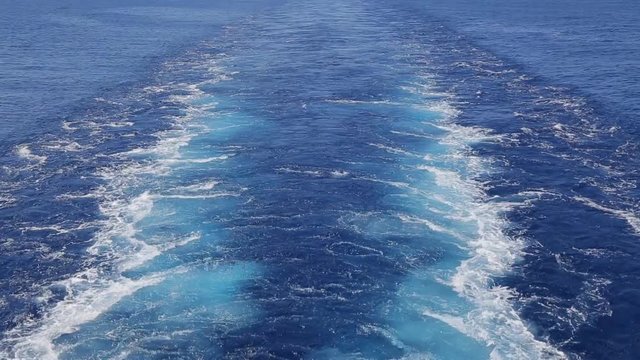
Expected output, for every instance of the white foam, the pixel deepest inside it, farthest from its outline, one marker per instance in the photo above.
(445, 108)
(459, 135)
(76, 196)
(430, 224)
(147, 252)
(196, 161)
(76, 309)
(366, 102)
(406, 133)
(167, 147)
(118, 245)
(492, 253)
(339, 173)
(563, 132)
(194, 197)
(65, 145)
(370, 328)
(369, 250)
(453, 321)
(117, 124)
(450, 179)
(494, 320)
(297, 171)
(7, 200)
(204, 186)
(426, 90)
(25, 152)
(66, 125)
(58, 228)
(396, 184)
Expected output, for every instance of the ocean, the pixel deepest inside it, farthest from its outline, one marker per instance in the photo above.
(319, 180)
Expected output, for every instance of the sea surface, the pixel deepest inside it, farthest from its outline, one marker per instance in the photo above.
(320, 179)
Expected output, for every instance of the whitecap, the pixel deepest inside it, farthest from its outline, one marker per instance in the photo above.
(25, 152)
(339, 173)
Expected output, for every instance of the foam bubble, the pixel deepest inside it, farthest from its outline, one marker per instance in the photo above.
(392, 150)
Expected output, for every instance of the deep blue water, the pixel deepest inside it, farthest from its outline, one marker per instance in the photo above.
(322, 179)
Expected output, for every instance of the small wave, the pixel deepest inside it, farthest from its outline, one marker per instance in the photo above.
(196, 161)
(366, 102)
(430, 224)
(335, 173)
(196, 197)
(65, 145)
(297, 171)
(7, 200)
(373, 329)
(426, 90)
(392, 150)
(445, 108)
(352, 249)
(396, 184)
(59, 228)
(492, 253)
(168, 146)
(630, 217)
(451, 320)
(203, 186)
(464, 135)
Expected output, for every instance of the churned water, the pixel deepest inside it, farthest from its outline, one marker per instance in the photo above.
(322, 179)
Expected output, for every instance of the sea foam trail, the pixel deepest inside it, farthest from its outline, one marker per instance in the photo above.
(119, 245)
(492, 252)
